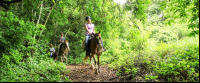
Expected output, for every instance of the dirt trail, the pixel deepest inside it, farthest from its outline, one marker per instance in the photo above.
(84, 73)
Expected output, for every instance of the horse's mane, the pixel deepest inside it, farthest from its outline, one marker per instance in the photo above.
(94, 35)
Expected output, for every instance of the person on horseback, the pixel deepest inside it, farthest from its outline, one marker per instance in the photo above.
(61, 40)
(89, 30)
(52, 50)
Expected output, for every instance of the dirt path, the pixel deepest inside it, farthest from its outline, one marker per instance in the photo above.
(84, 73)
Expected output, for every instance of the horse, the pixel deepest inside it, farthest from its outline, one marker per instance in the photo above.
(63, 51)
(54, 55)
(95, 47)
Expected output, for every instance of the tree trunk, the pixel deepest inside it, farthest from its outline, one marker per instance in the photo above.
(39, 16)
(55, 30)
(22, 5)
(66, 33)
(47, 17)
(16, 6)
(82, 19)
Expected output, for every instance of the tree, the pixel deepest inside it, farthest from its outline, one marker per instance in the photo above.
(184, 9)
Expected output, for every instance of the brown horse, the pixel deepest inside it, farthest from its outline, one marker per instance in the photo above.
(63, 51)
(95, 46)
(54, 55)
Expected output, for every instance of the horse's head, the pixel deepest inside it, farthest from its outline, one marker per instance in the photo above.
(66, 45)
(97, 38)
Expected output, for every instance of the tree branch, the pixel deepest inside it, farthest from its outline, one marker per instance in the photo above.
(66, 33)
(52, 6)
(39, 17)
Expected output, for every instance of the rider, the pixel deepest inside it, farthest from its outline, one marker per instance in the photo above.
(61, 40)
(89, 30)
(52, 50)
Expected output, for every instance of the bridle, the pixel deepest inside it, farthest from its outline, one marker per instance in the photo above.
(97, 40)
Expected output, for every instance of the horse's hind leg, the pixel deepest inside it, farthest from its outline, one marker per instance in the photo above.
(86, 57)
(66, 57)
(61, 57)
(56, 57)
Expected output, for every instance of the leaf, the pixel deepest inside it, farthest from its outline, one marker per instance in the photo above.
(153, 77)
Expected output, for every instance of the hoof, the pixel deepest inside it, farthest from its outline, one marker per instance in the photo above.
(99, 71)
(96, 71)
(92, 67)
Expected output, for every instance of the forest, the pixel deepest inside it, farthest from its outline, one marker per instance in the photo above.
(145, 40)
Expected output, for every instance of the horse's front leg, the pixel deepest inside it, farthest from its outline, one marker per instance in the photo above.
(61, 57)
(99, 63)
(92, 62)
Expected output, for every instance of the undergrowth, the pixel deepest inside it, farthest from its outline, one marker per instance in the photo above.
(173, 62)
(34, 70)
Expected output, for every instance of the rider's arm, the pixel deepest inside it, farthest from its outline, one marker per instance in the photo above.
(60, 40)
(93, 29)
(53, 50)
(87, 29)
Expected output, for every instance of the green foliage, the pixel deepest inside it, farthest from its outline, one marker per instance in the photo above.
(24, 58)
(14, 31)
(182, 60)
(34, 71)
(185, 9)
(138, 8)
(134, 43)
(154, 9)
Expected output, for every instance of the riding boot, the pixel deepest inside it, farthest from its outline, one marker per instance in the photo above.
(104, 49)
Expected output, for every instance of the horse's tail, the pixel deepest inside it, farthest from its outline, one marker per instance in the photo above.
(86, 57)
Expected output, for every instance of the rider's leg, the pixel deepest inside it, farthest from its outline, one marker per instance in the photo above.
(103, 46)
(86, 44)
(51, 54)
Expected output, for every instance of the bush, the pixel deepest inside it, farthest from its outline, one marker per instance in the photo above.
(34, 71)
